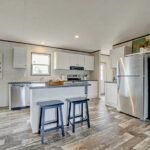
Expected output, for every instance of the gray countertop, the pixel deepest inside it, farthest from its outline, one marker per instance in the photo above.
(115, 82)
(41, 86)
(20, 82)
(25, 82)
(38, 82)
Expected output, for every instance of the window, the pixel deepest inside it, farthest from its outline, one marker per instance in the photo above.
(40, 64)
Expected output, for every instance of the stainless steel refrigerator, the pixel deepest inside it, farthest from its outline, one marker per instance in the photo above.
(130, 81)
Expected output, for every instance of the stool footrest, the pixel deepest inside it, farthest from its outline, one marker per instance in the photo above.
(77, 116)
(54, 128)
(80, 121)
(50, 122)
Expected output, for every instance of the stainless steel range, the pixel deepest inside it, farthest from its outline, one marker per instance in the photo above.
(74, 77)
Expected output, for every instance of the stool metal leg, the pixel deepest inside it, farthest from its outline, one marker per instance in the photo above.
(42, 125)
(73, 124)
(57, 117)
(62, 123)
(69, 112)
(40, 120)
(87, 113)
(82, 112)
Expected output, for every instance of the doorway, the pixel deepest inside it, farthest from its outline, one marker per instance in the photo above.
(102, 78)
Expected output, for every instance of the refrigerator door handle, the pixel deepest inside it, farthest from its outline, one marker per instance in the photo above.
(118, 83)
(118, 77)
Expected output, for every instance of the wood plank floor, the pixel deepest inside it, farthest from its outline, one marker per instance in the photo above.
(109, 130)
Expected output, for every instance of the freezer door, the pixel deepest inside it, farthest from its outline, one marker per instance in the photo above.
(134, 65)
(131, 66)
(130, 96)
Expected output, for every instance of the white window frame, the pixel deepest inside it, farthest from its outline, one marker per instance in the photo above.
(49, 66)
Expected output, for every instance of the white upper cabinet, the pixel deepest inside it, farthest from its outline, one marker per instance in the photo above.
(65, 60)
(61, 61)
(118, 53)
(76, 60)
(89, 63)
(20, 57)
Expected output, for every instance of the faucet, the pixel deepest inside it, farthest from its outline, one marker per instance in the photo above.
(42, 78)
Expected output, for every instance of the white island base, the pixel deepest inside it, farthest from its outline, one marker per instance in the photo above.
(50, 93)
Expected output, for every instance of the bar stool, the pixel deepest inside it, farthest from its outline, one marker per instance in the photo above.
(78, 101)
(46, 105)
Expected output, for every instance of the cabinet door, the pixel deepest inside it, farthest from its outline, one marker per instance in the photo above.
(80, 60)
(76, 60)
(72, 59)
(116, 54)
(61, 61)
(111, 94)
(93, 89)
(89, 63)
(20, 57)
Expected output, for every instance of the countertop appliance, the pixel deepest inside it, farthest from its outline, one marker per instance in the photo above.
(132, 82)
(74, 77)
(20, 97)
(76, 68)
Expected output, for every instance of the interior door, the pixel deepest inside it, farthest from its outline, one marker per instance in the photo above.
(102, 77)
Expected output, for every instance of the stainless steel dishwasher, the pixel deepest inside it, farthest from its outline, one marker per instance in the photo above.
(20, 97)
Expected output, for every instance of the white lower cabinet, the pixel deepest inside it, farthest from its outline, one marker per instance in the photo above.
(93, 89)
(111, 94)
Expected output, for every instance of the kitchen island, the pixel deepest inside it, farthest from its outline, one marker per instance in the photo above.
(42, 92)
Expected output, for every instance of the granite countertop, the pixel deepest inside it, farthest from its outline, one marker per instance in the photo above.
(41, 86)
(38, 82)
(88, 80)
(20, 82)
(26, 82)
(115, 82)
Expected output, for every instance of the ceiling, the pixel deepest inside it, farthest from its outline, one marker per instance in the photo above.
(99, 23)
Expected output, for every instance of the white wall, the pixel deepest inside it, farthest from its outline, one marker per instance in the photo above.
(95, 75)
(11, 74)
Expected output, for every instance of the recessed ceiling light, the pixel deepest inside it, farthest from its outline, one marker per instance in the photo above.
(43, 43)
(76, 36)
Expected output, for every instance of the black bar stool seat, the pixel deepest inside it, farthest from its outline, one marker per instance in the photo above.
(45, 105)
(78, 101)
